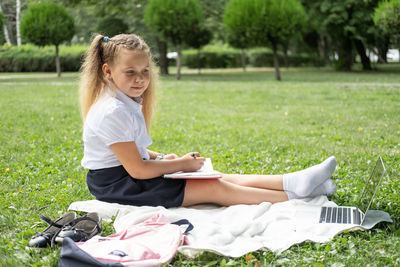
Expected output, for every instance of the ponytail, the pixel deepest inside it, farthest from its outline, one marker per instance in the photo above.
(92, 82)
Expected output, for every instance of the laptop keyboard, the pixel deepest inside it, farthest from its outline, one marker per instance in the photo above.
(340, 215)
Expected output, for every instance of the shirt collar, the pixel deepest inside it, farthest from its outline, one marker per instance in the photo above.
(134, 104)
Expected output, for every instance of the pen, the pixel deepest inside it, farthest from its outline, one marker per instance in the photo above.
(194, 155)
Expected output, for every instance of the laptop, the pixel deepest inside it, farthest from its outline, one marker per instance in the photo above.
(344, 214)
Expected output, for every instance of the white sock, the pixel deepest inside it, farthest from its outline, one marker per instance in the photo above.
(302, 183)
(327, 188)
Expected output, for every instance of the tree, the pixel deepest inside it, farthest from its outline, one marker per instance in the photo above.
(314, 35)
(265, 23)
(387, 17)
(350, 26)
(213, 11)
(17, 21)
(197, 39)
(88, 13)
(238, 23)
(285, 18)
(47, 23)
(112, 26)
(4, 36)
(174, 20)
(4, 26)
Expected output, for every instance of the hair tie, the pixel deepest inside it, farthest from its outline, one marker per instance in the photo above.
(106, 39)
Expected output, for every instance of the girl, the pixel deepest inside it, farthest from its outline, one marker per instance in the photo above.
(117, 99)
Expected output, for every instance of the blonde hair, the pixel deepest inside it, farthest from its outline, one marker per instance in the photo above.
(92, 81)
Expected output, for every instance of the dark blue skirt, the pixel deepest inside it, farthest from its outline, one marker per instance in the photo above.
(115, 185)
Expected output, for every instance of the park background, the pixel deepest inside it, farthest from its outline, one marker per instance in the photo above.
(260, 90)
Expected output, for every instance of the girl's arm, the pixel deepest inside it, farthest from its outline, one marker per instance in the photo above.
(130, 158)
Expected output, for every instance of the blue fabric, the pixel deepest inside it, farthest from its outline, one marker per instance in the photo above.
(184, 222)
(115, 185)
(72, 255)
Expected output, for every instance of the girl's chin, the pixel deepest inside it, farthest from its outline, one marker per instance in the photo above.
(135, 93)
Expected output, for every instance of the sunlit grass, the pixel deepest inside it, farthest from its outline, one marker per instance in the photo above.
(246, 121)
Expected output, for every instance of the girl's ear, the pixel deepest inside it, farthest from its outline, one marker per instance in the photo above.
(106, 70)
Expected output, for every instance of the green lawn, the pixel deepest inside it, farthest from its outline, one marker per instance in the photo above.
(246, 122)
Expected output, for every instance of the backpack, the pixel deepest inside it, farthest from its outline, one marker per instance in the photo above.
(153, 242)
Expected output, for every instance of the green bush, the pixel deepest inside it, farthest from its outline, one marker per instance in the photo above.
(211, 57)
(30, 58)
(266, 59)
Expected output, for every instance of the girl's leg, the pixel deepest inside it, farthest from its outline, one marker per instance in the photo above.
(309, 182)
(226, 193)
(274, 182)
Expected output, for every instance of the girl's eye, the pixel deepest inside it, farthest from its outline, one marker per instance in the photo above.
(145, 71)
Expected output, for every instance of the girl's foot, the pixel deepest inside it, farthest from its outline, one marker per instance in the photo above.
(328, 188)
(302, 183)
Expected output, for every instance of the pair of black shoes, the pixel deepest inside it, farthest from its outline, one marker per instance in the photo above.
(78, 229)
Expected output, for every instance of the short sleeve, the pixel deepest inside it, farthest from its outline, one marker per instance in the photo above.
(115, 126)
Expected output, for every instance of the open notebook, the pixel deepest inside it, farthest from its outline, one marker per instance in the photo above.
(206, 172)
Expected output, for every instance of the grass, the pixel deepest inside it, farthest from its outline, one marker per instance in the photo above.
(247, 122)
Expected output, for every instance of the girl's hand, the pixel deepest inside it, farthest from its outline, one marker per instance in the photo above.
(192, 154)
(193, 161)
(170, 156)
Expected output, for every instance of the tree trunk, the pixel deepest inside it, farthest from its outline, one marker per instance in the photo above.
(5, 30)
(346, 58)
(6, 36)
(243, 59)
(363, 54)
(323, 49)
(382, 56)
(198, 61)
(178, 62)
(163, 60)
(285, 56)
(276, 61)
(58, 68)
(382, 45)
(17, 19)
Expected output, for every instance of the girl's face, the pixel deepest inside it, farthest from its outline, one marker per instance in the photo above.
(130, 72)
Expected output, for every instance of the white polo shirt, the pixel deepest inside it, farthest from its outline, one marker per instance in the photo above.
(113, 119)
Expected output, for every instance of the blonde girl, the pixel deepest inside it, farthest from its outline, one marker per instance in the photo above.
(117, 98)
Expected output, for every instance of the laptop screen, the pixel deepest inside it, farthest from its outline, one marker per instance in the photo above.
(371, 186)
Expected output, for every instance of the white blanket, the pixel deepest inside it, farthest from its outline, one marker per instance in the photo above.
(237, 230)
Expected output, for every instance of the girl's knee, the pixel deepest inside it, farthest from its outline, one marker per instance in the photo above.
(204, 191)
(206, 186)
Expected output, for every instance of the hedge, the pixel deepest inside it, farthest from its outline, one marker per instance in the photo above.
(266, 59)
(207, 59)
(254, 57)
(30, 58)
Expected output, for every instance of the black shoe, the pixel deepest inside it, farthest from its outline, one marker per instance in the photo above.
(43, 239)
(81, 229)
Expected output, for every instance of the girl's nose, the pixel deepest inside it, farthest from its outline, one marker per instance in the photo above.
(139, 78)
